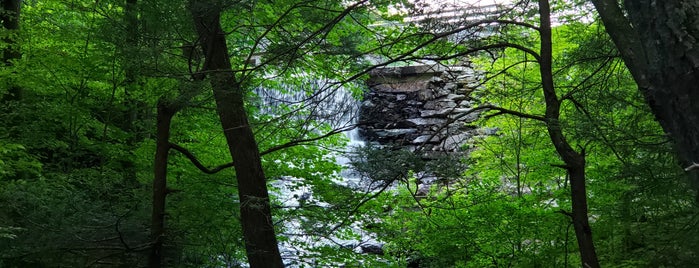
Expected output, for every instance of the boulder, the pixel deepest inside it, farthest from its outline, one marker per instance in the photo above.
(454, 142)
(395, 132)
(372, 249)
(425, 138)
(427, 121)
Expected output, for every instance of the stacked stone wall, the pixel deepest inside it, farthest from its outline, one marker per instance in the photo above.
(420, 107)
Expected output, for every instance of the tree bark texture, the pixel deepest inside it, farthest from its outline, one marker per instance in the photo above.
(162, 148)
(659, 42)
(9, 15)
(255, 212)
(574, 161)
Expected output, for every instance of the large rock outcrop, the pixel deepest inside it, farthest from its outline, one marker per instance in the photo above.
(419, 107)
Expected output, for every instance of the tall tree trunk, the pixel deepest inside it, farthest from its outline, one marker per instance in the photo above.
(131, 68)
(255, 212)
(131, 105)
(574, 161)
(9, 15)
(659, 42)
(162, 147)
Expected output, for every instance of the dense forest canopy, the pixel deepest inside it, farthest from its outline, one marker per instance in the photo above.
(222, 133)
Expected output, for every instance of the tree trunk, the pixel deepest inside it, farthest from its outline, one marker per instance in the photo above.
(162, 147)
(581, 224)
(132, 107)
(659, 42)
(255, 212)
(129, 59)
(574, 161)
(9, 15)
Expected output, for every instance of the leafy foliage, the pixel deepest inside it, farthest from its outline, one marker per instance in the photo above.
(76, 152)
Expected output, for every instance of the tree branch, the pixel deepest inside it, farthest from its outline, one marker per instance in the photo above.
(303, 141)
(196, 162)
(192, 158)
(692, 167)
(580, 85)
(501, 111)
(485, 48)
(570, 215)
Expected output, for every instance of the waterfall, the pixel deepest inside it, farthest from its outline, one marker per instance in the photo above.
(349, 179)
(318, 101)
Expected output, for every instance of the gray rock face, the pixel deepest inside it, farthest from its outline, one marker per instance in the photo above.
(424, 107)
(427, 121)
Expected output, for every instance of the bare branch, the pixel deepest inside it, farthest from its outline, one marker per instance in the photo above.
(303, 141)
(196, 162)
(216, 169)
(692, 167)
(570, 215)
(577, 87)
(501, 111)
(324, 29)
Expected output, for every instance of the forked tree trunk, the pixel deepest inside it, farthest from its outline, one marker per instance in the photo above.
(574, 161)
(659, 42)
(255, 212)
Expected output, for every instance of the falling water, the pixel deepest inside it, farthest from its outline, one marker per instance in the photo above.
(335, 106)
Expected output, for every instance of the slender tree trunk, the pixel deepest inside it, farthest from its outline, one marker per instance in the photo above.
(581, 224)
(255, 212)
(162, 147)
(131, 68)
(659, 42)
(9, 15)
(131, 73)
(574, 161)
(131, 42)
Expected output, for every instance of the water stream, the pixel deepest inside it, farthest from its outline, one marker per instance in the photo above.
(338, 109)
